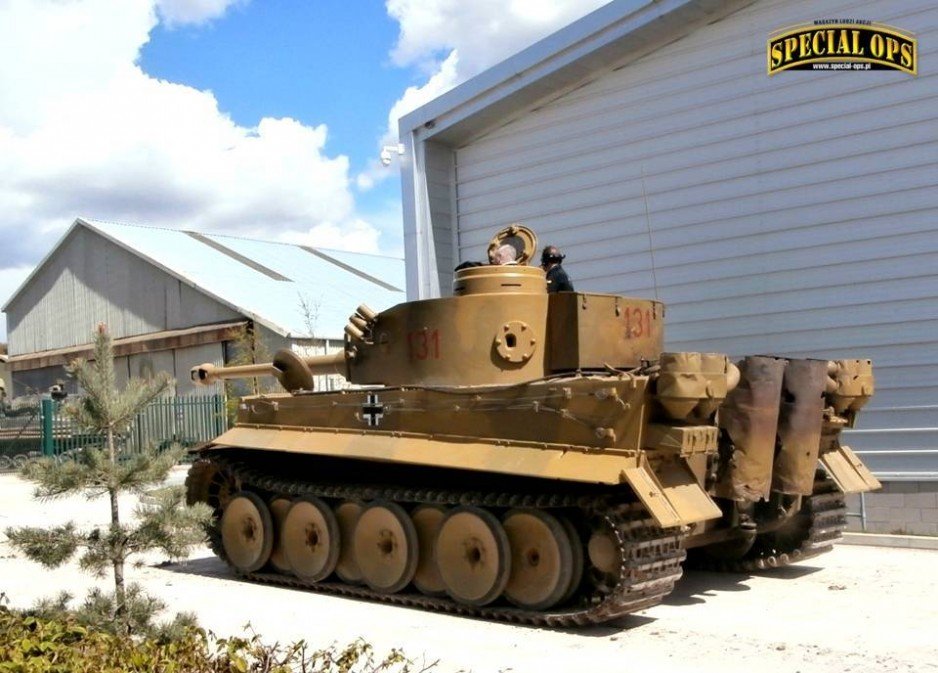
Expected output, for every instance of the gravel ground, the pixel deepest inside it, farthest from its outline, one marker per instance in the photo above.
(855, 609)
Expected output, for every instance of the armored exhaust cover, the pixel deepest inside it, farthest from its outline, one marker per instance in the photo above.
(799, 426)
(748, 421)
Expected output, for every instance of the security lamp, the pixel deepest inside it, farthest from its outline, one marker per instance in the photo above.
(387, 153)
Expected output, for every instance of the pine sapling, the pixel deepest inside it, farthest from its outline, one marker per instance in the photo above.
(162, 521)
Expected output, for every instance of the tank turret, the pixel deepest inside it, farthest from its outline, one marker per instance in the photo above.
(526, 456)
(500, 327)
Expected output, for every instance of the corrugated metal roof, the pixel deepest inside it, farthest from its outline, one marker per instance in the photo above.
(331, 290)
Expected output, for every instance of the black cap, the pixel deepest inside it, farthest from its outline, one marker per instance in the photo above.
(551, 254)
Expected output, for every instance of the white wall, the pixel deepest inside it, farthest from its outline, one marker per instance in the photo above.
(795, 214)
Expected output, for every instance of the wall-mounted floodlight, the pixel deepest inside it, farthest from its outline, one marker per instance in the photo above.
(388, 151)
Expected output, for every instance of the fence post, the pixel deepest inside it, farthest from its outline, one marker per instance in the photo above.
(47, 410)
(220, 414)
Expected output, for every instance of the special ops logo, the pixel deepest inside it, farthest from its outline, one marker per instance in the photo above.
(834, 44)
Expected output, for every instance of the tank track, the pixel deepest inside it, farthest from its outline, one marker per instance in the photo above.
(812, 532)
(649, 557)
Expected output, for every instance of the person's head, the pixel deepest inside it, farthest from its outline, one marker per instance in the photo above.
(551, 256)
(503, 254)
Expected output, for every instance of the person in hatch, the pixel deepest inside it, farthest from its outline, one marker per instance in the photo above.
(557, 278)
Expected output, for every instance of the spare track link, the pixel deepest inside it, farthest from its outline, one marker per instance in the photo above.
(650, 557)
(824, 517)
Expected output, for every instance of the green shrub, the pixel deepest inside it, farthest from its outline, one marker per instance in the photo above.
(30, 643)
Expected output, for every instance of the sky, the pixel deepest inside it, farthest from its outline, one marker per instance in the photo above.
(259, 118)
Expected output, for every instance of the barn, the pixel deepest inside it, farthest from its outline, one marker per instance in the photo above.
(792, 213)
(174, 299)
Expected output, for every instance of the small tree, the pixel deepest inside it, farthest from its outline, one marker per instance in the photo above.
(248, 347)
(310, 310)
(163, 521)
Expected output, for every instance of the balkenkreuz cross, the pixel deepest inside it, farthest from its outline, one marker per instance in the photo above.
(372, 409)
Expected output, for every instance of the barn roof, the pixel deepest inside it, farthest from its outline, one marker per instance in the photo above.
(266, 281)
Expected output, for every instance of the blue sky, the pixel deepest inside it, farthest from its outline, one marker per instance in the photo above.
(260, 118)
(266, 59)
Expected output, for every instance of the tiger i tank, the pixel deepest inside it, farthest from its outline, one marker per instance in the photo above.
(536, 458)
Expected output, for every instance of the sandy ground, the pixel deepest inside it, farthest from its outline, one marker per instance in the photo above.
(855, 609)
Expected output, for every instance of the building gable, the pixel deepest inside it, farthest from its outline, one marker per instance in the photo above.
(88, 279)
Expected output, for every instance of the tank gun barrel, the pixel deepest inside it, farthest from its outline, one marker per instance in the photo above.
(207, 374)
(333, 363)
(295, 372)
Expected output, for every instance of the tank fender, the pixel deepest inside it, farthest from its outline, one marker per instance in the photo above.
(848, 471)
(671, 492)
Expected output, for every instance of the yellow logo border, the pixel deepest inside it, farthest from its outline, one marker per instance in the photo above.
(882, 28)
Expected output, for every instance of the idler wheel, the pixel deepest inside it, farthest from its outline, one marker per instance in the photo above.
(542, 562)
(247, 532)
(385, 545)
(427, 520)
(311, 539)
(347, 514)
(279, 507)
(473, 555)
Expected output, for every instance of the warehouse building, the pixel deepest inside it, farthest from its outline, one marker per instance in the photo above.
(175, 299)
(794, 214)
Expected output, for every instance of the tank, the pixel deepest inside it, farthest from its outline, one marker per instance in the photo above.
(537, 458)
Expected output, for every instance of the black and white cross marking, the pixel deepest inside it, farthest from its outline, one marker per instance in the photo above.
(372, 410)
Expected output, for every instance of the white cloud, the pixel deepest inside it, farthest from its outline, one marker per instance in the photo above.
(444, 79)
(453, 40)
(85, 132)
(356, 236)
(51, 49)
(447, 75)
(180, 12)
(366, 179)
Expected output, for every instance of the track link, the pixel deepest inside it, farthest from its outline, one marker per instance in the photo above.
(649, 557)
(812, 532)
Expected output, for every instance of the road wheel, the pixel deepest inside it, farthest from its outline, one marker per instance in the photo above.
(386, 548)
(279, 507)
(473, 556)
(311, 539)
(347, 514)
(427, 520)
(247, 532)
(578, 558)
(541, 559)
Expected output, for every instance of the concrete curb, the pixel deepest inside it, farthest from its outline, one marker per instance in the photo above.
(895, 541)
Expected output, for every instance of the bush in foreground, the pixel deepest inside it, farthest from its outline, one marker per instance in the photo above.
(35, 644)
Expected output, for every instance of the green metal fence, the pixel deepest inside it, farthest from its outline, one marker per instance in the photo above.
(184, 420)
(20, 433)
